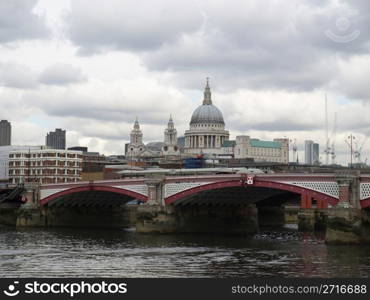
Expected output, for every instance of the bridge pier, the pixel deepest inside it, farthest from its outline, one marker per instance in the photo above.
(344, 226)
(313, 219)
(347, 223)
(365, 229)
(306, 220)
(30, 214)
(154, 216)
(155, 219)
(197, 219)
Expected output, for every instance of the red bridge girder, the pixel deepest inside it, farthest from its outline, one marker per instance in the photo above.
(94, 188)
(306, 194)
(365, 203)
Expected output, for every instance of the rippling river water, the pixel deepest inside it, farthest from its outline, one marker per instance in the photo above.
(103, 253)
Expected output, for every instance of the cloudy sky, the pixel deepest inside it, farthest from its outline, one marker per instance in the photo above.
(90, 67)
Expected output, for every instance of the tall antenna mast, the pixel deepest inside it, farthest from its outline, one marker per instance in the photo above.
(350, 145)
(327, 149)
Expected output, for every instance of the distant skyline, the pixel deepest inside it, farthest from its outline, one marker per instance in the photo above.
(92, 67)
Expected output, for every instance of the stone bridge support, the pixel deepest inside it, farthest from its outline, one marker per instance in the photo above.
(154, 216)
(31, 214)
(346, 222)
(155, 190)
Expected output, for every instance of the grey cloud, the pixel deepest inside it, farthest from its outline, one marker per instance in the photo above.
(18, 22)
(68, 103)
(98, 110)
(61, 74)
(256, 44)
(284, 47)
(112, 130)
(129, 25)
(17, 76)
(279, 125)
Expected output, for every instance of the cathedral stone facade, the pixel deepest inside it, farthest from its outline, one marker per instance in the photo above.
(136, 146)
(207, 131)
(170, 147)
(207, 136)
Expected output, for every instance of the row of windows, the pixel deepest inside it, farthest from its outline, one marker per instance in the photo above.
(260, 151)
(207, 125)
(44, 180)
(44, 172)
(49, 154)
(45, 163)
(282, 160)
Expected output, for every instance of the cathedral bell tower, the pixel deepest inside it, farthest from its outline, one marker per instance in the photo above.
(170, 140)
(136, 146)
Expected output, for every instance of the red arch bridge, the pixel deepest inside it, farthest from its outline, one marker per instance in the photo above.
(319, 190)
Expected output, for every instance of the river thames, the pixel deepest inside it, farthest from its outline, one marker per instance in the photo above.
(106, 253)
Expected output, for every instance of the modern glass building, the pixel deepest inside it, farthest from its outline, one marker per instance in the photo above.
(56, 139)
(5, 133)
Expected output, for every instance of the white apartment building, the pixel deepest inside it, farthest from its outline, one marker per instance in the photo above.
(45, 166)
(4, 157)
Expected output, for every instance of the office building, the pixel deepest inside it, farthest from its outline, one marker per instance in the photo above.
(245, 147)
(311, 153)
(45, 166)
(4, 157)
(56, 139)
(5, 133)
(316, 154)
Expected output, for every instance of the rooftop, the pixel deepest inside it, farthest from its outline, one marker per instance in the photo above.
(265, 144)
(228, 144)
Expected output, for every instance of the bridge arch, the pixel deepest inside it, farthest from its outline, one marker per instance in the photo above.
(91, 188)
(304, 192)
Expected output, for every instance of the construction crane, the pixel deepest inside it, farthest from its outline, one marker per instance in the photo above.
(327, 148)
(333, 137)
(358, 151)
